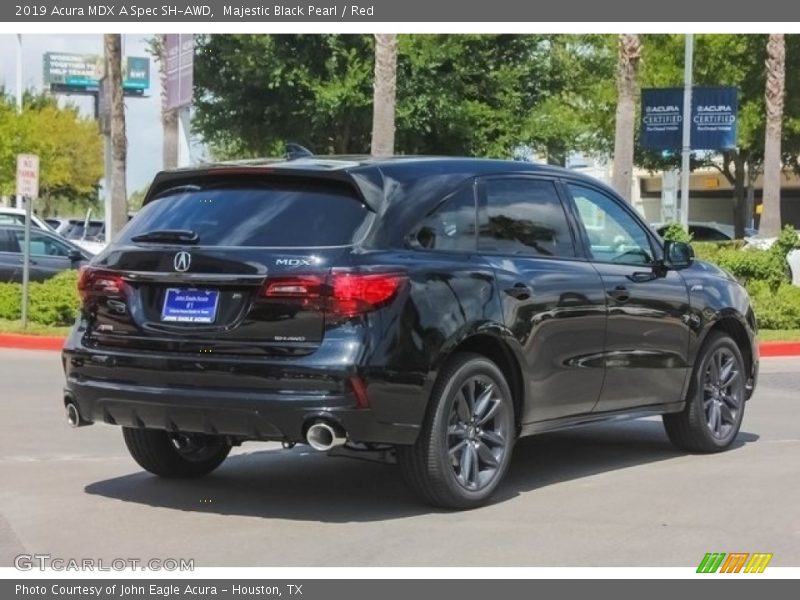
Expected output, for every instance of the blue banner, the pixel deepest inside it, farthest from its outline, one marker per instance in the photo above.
(714, 118)
(662, 118)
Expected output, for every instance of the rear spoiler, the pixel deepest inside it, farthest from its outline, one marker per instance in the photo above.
(366, 182)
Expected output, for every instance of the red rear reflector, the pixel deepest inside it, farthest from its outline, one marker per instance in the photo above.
(360, 392)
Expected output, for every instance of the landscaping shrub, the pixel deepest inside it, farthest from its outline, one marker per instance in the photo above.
(776, 310)
(676, 233)
(53, 302)
(751, 265)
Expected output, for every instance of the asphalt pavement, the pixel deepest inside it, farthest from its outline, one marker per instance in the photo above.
(608, 495)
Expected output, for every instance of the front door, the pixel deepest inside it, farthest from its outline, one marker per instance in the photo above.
(647, 334)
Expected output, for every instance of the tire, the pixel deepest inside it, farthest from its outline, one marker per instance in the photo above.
(715, 404)
(462, 454)
(176, 456)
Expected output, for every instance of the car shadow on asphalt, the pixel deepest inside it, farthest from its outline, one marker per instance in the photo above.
(300, 484)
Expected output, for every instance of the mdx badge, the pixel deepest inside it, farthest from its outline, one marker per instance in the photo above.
(182, 261)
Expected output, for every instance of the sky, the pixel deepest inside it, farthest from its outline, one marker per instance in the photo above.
(142, 114)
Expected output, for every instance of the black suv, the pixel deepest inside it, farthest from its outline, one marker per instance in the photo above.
(430, 309)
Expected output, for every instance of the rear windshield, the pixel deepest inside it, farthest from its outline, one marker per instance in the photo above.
(277, 215)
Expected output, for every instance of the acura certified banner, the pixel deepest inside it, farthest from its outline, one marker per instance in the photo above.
(714, 118)
(391, 10)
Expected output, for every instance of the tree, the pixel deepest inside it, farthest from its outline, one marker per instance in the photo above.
(736, 60)
(69, 147)
(630, 49)
(384, 94)
(157, 46)
(315, 90)
(474, 95)
(575, 110)
(770, 225)
(119, 144)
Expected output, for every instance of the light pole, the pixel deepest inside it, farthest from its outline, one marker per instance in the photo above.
(687, 130)
(18, 201)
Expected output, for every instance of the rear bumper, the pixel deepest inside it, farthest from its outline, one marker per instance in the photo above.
(248, 399)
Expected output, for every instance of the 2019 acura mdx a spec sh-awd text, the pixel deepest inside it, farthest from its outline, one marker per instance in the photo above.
(431, 309)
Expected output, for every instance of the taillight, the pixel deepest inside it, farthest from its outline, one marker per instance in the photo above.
(342, 293)
(306, 286)
(356, 293)
(99, 282)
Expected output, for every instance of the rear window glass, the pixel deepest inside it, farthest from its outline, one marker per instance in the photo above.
(280, 216)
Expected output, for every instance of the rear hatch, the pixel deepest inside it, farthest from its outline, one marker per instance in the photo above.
(225, 268)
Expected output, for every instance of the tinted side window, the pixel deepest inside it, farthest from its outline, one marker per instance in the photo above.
(525, 216)
(707, 234)
(43, 245)
(614, 235)
(451, 226)
(8, 243)
(6, 219)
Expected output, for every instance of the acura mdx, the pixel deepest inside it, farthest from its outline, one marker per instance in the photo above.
(431, 310)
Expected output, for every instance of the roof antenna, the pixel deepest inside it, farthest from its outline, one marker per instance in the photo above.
(295, 151)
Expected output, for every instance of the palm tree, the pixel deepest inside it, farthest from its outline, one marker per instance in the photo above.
(384, 94)
(169, 118)
(770, 224)
(112, 43)
(630, 50)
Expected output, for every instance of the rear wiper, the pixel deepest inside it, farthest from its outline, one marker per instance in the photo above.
(167, 236)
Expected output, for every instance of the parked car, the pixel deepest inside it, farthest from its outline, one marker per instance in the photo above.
(50, 254)
(90, 235)
(16, 216)
(708, 231)
(430, 309)
(792, 258)
(59, 224)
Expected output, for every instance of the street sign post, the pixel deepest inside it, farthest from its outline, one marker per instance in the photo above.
(27, 188)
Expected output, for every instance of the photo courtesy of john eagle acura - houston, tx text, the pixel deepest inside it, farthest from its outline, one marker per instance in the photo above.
(423, 311)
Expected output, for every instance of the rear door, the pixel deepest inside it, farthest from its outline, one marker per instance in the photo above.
(647, 339)
(552, 298)
(251, 281)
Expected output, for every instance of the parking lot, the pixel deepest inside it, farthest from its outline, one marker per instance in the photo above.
(609, 495)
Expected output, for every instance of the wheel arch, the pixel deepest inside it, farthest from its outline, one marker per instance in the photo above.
(496, 349)
(734, 325)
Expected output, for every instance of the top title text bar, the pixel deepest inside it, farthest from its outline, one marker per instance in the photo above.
(461, 11)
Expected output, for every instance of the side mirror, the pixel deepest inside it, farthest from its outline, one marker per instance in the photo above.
(678, 255)
(75, 255)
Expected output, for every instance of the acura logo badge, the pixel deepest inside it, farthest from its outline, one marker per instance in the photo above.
(182, 261)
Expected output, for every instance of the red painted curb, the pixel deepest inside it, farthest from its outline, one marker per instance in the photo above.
(31, 342)
(779, 349)
(44, 342)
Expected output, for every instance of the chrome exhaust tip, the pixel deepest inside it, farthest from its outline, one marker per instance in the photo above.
(323, 436)
(73, 416)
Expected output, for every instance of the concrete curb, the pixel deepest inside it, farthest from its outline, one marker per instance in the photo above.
(44, 342)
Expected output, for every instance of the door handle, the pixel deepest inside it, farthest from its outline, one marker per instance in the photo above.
(520, 291)
(32, 262)
(620, 294)
(642, 276)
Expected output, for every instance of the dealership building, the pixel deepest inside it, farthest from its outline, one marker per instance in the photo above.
(711, 197)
